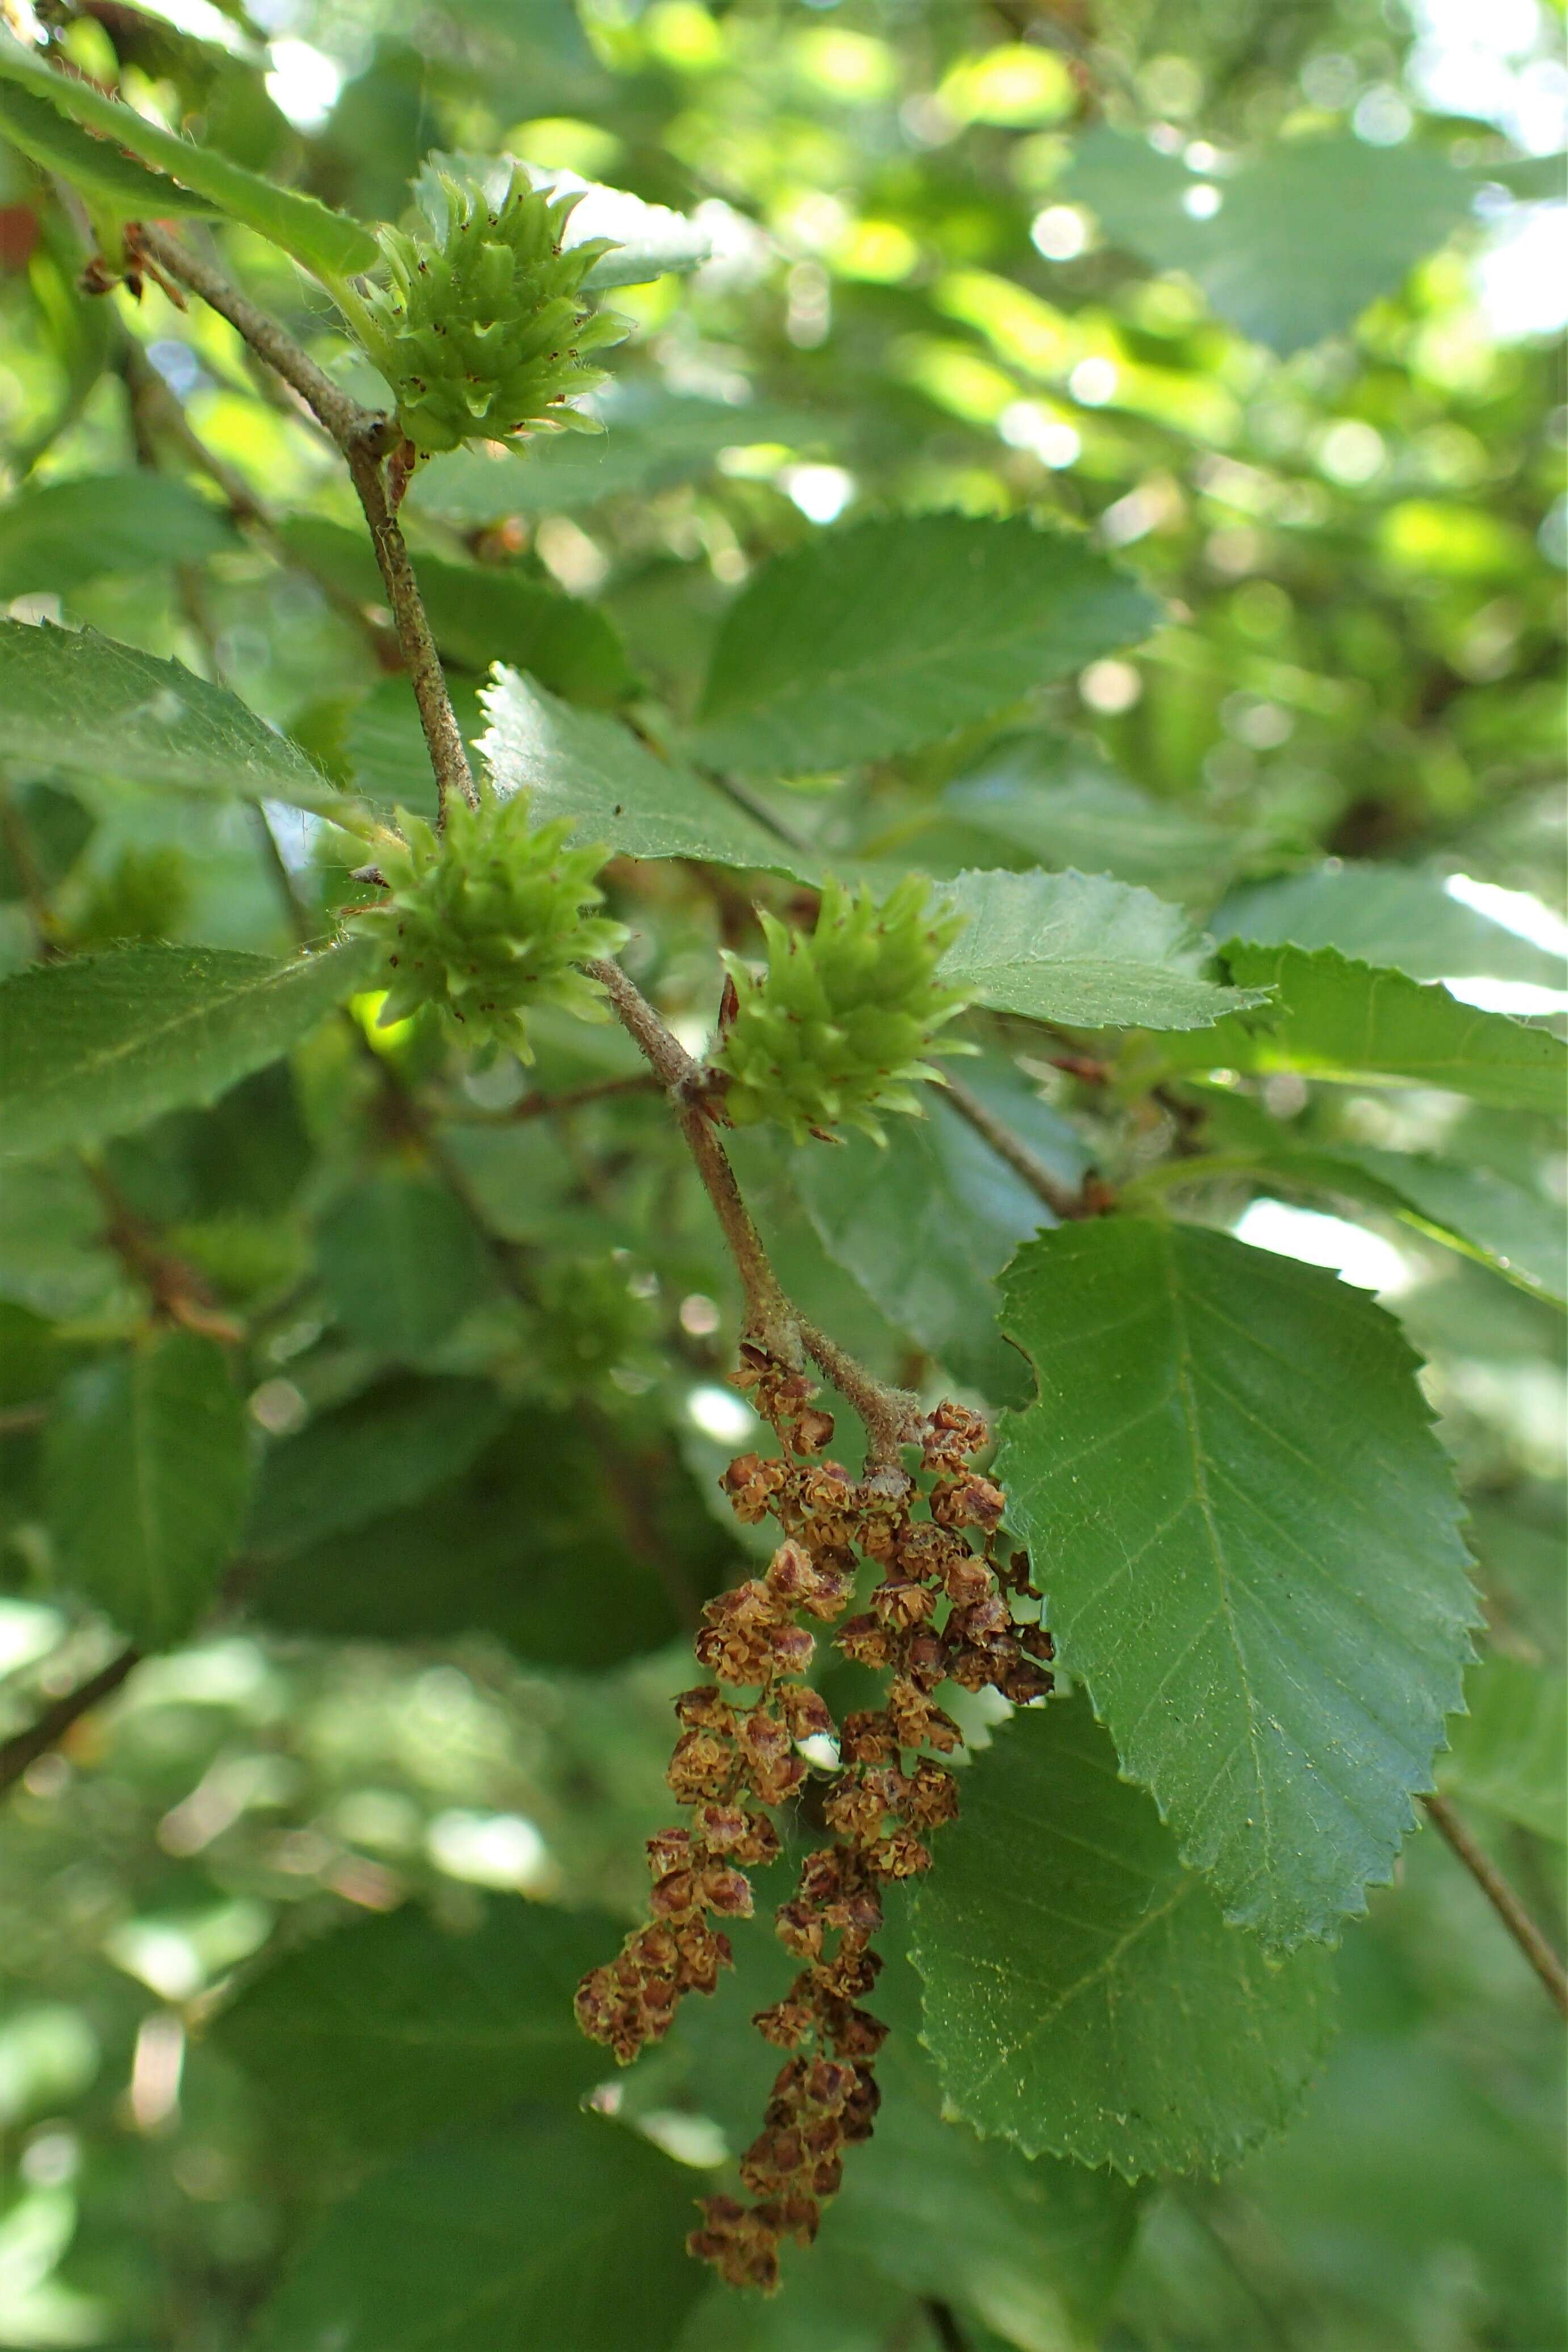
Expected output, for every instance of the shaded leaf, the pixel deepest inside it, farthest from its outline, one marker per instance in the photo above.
(1302, 239)
(482, 613)
(1084, 951)
(383, 1449)
(1246, 1532)
(927, 1224)
(148, 1468)
(54, 829)
(328, 242)
(386, 751)
(1060, 803)
(65, 532)
(400, 1262)
(1507, 1752)
(1386, 914)
(372, 2038)
(506, 2240)
(1083, 1994)
(85, 705)
(887, 635)
(1359, 1026)
(574, 1550)
(652, 438)
(95, 1045)
(1518, 1233)
(579, 764)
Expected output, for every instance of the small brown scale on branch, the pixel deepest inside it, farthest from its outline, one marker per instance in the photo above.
(738, 1755)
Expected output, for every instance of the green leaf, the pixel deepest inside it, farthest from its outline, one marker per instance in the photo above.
(66, 532)
(148, 1468)
(579, 764)
(83, 704)
(888, 634)
(1507, 1752)
(97, 1044)
(1246, 1536)
(1060, 803)
(45, 137)
(482, 613)
(1386, 914)
(513, 2238)
(1517, 1232)
(1303, 237)
(400, 1262)
(1083, 1996)
(927, 1224)
(1084, 951)
(376, 2036)
(573, 1547)
(380, 1452)
(1355, 1024)
(327, 242)
(652, 438)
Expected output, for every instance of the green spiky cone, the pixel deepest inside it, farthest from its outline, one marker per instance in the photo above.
(487, 919)
(835, 1029)
(483, 332)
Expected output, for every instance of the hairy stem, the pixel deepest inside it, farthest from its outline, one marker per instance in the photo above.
(448, 754)
(364, 436)
(334, 410)
(770, 1320)
(1531, 1942)
(773, 1321)
(52, 1726)
(163, 413)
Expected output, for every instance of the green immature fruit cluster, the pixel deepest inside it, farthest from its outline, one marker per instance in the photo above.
(483, 332)
(834, 1029)
(488, 919)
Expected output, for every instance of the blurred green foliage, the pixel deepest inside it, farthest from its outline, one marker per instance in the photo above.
(984, 260)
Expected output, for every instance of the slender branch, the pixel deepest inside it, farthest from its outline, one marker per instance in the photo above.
(641, 1082)
(755, 805)
(891, 1415)
(448, 754)
(52, 1726)
(177, 1291)
(770, 1320)
(163, 411)
(1062, 1200)
(1531, 1942)
(364, 436)
(336, 412)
